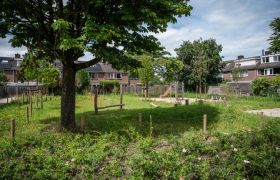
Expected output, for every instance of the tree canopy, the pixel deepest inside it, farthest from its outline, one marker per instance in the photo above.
(275, 38)
(65, 30)
(187, 53)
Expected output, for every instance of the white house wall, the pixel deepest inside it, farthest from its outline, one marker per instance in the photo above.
(246, 63)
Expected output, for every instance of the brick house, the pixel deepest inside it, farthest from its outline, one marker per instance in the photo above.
(97, 72)
(104, 71)
(254, 67)
(10, 66)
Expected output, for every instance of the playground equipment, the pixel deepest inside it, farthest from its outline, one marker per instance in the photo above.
(155, 105)
(114, 105)
(165, 93)
(177, 87)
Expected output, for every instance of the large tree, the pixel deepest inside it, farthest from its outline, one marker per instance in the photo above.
(65, 30)
(186, 53)
(275, 38)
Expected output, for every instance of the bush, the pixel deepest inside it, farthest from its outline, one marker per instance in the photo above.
(109, 83)
(276, 81)
(260, 85)
(225, 81)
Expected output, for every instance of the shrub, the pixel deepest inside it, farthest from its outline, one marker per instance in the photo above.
(109, 83)
(225, 81)
(260, 85)
(276, 81)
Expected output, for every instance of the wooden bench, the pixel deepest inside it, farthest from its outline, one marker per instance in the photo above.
(110, 106)
(155, 105)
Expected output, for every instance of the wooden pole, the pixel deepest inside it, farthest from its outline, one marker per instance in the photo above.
(205, 122)
(18, 102)
(140, 123)
(41, 99)
(30, 104)
(254, 96)
(95, 101)
(23, 98)
(82, 123)
(12, 128)
(7, 99)
(27, 115)
(261, 119)
(213, 103)
(196, 92)
(121, 96)
(205, 92)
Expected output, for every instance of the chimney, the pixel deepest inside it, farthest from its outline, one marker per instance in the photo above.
(17, 55)
(240, 57)
(262, 52)
(267, 52)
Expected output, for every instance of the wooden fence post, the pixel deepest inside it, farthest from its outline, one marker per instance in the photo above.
(82, 122)
(204, 123)
(12, 128)
(254, 96)
(200, 102)
(186, 102)
(261, 119)
(121, 96)
(140, 122)
(7, 99)
(18, 102)
(27, 115)
(41, 99)
(95, 101)
(30, 104)
(205, 92)
(22, 98)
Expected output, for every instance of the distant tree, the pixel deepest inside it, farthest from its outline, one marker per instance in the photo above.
(237, 73)
(50, 76)
(84, 79)
(276, 82)
(146, 72)
(3, 79)
(275, 38)
(186, 53)
(260, 85)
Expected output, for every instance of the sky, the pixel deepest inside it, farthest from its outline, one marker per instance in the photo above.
(240, 26)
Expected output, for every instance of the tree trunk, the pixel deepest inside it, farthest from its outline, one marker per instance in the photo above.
(68, 98)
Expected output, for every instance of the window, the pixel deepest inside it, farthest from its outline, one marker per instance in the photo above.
(115, 75)
(268, 71)
(245, 73)
(221, 75)
(275, 59)
(267, 59)
(19, 63)
(237, 64)
(1, 72)
(93, 75)
(4, 61)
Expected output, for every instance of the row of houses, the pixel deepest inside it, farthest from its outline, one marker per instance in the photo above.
(97, 72)
(253, 67)
(268, 64)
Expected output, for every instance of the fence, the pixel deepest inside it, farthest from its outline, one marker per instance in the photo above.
(138, 89)
(6, 91)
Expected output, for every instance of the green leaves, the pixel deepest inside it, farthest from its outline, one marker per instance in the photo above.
(275, 38)
(50, 75)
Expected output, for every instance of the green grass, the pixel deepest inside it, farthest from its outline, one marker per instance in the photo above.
(111, 148)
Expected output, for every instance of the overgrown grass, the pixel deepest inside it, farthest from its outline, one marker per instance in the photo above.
(171, 144)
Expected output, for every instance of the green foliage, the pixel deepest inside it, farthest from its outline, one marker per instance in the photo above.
(83, 79)
(109, 83)
(146, 72)
(3, 80)
(32, 66)
(168, 68)
(260, 85)
(276, 81)
(225, 81)
(237, 73)
(50, 76)
(187, 54)
(275, 38)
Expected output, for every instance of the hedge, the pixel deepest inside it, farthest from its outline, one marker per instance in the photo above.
(109, 83)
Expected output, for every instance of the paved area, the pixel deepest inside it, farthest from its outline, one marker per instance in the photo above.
(4, 101)
(267, 112)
